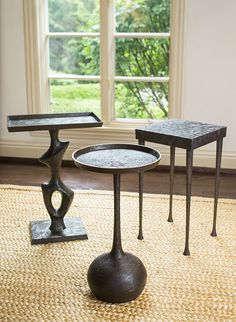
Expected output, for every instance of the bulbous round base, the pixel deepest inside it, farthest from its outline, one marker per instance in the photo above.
(117, 278)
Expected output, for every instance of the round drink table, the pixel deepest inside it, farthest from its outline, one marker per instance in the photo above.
(117, 276)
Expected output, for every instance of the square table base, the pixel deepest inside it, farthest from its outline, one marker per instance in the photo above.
(41, 234)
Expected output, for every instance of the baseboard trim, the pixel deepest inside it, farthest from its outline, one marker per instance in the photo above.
(160, 168)
(202, 158)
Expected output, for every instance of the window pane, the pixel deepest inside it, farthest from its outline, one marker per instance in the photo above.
(142, 57)
(143, 16)
(74, 96)
(141, 100)
(74, 56)
(73, 15)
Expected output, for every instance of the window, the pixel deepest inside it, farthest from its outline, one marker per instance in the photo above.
(73, 55)
(118, 58)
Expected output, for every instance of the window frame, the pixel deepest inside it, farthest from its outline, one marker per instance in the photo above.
(35, 23)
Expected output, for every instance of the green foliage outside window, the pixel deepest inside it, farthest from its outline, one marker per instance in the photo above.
(134, 57)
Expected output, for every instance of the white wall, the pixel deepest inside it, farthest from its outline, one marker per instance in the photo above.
(210, 65)
(13, 97)
(12, 67)
(209, 93)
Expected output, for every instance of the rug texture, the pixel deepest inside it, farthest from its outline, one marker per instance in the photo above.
(49, 283)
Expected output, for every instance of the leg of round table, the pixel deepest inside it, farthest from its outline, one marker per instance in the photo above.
(140, 232)
(117, 277)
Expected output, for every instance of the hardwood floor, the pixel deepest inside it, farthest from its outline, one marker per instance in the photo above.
(20, 173)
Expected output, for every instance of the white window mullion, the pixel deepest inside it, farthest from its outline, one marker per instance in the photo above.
(142, 35)
(141, 79)
(72, 34)
(75, 77)
(107, 59)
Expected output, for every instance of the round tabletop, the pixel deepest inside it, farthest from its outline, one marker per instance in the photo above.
(116, 158)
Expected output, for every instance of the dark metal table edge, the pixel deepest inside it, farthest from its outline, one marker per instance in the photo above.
(180, 142)
(215, 135)
(209, 138)
(53, 158)
(164, 139)
(123, 275)
(96, 123)
(115, 170)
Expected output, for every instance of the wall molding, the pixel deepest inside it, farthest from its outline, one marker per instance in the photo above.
(202, 157)
(178, 11)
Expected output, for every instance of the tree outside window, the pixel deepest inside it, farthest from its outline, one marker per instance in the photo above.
(142, 45)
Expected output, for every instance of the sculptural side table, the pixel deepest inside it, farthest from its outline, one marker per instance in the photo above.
(189, 136)
(118, 276)
(58, 229)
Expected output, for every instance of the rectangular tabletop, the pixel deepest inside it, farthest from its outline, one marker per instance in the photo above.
(39, 122)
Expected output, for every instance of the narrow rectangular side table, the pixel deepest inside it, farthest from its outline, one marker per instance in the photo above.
(189, 136)
(57, 229)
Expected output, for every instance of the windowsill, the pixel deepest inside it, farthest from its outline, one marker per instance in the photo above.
(131, 123)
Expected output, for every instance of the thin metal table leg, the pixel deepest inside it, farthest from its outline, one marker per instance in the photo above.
(219, 145)
(116, 247)
(189, 165)
(140, 233)
(118, 276)
(172, 169)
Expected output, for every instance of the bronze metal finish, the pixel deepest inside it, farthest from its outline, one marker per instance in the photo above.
(189, 136)
(57, 229)
(117, 276)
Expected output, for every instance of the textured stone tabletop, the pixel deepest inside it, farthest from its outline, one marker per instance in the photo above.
(181, 128)
(117, 158)
(39, 122)
(112, 158)
(181, 133)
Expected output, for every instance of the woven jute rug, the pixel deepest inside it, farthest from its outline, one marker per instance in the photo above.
(49, 283)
